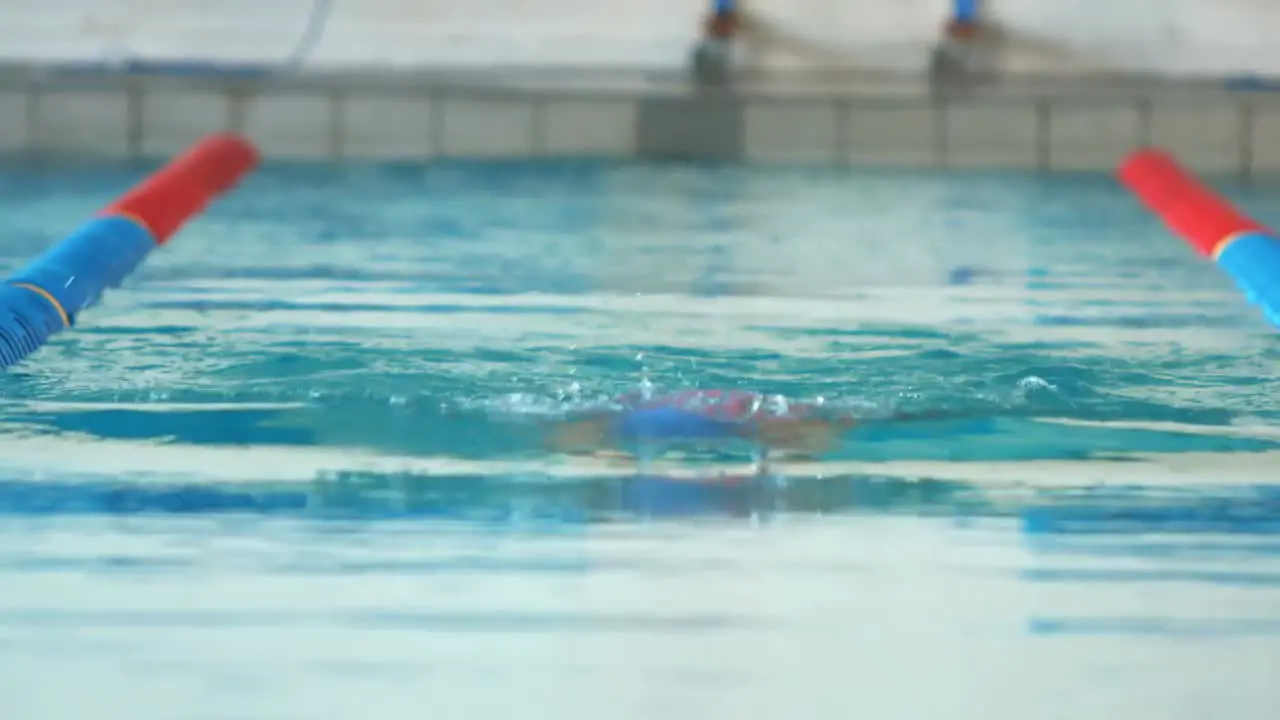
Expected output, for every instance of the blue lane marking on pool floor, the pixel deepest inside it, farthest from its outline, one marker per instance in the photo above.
(1154, 627)
(1238, 578)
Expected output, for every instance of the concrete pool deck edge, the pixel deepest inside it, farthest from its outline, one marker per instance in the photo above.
(1044, 123)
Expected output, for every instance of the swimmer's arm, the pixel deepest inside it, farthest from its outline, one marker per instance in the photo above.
(813, 435)
(579, 435)
(799, 435)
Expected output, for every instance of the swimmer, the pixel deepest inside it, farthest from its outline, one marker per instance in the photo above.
(704, 417)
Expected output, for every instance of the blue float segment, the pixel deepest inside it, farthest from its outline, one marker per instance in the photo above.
(46, 295)
(100, 255)
(27, 320)
(1253, 260)
(722, 7)
(966, 11)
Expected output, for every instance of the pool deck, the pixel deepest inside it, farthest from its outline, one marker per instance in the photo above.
(837, 117)
(815, 83)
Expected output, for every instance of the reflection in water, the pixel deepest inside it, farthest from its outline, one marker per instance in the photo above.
(248, 616)
(633, 492)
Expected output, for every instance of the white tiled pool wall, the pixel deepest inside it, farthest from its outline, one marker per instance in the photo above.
(1213, 133)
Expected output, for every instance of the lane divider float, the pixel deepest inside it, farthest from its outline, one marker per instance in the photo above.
(48, 294)
(1244, 248)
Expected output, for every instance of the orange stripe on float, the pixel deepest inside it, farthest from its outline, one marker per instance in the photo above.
(62, 312)
(1222, 245)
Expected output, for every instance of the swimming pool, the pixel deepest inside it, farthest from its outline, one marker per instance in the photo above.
(293, 468)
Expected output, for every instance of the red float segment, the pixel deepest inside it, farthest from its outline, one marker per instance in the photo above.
(178, 191)
(1195, 213)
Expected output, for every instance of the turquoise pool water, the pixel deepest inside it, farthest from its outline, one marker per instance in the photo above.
(294, 469)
